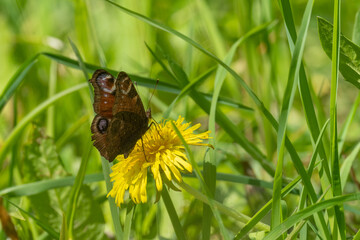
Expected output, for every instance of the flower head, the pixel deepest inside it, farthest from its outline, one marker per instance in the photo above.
(159, 150)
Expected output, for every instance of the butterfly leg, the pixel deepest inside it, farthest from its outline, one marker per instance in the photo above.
(142, 144)
(153, 122)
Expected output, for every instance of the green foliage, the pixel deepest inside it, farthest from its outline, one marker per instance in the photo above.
(41, 162)
(283, 123)
(349, 64)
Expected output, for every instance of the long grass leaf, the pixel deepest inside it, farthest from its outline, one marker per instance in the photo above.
(44, 185)
(306, 99)
(128, 219)
(180, 234)
(285, 109)
(141, 81)
(82, 67)
(64, 234)
(348, 121)
(75, 190)
(309, 114)
(215, 36)
(29, 189)
(16, 80)
(50, 118)
(346, 166)
(334, 156)
(357, 235)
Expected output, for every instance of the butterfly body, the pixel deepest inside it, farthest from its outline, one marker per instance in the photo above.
(121, 119)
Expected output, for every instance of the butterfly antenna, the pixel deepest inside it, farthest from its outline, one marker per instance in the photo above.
(157, 81)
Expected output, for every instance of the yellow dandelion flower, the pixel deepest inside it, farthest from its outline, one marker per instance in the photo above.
(165, 158)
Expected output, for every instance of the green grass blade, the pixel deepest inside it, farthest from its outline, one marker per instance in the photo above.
(95, 38)
(309, 114)
(71, 62)
(75, 190)
(309, 211)
(316, 149)
(128, 219)
(215, 37)
(82, 67)
(45, 185)
(34, 113)
(351, 115)
(334, 156)
(16, 80)
(64, 234)
(304, 193)
(285, 109)
(305, 94)
(141, 81)
(357, 235)
(348, 122)
(346, 166)
(180, 234)
(50, 115)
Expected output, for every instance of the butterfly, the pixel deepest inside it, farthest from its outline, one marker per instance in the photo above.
(121, 119)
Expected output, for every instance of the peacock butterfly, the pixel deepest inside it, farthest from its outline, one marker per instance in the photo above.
(120, 119)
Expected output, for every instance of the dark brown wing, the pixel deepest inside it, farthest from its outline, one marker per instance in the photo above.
(129, 118)
(124, 131)
(104, 98)
(126, 97)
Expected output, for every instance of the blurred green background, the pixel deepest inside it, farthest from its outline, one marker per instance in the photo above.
(109, 38)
